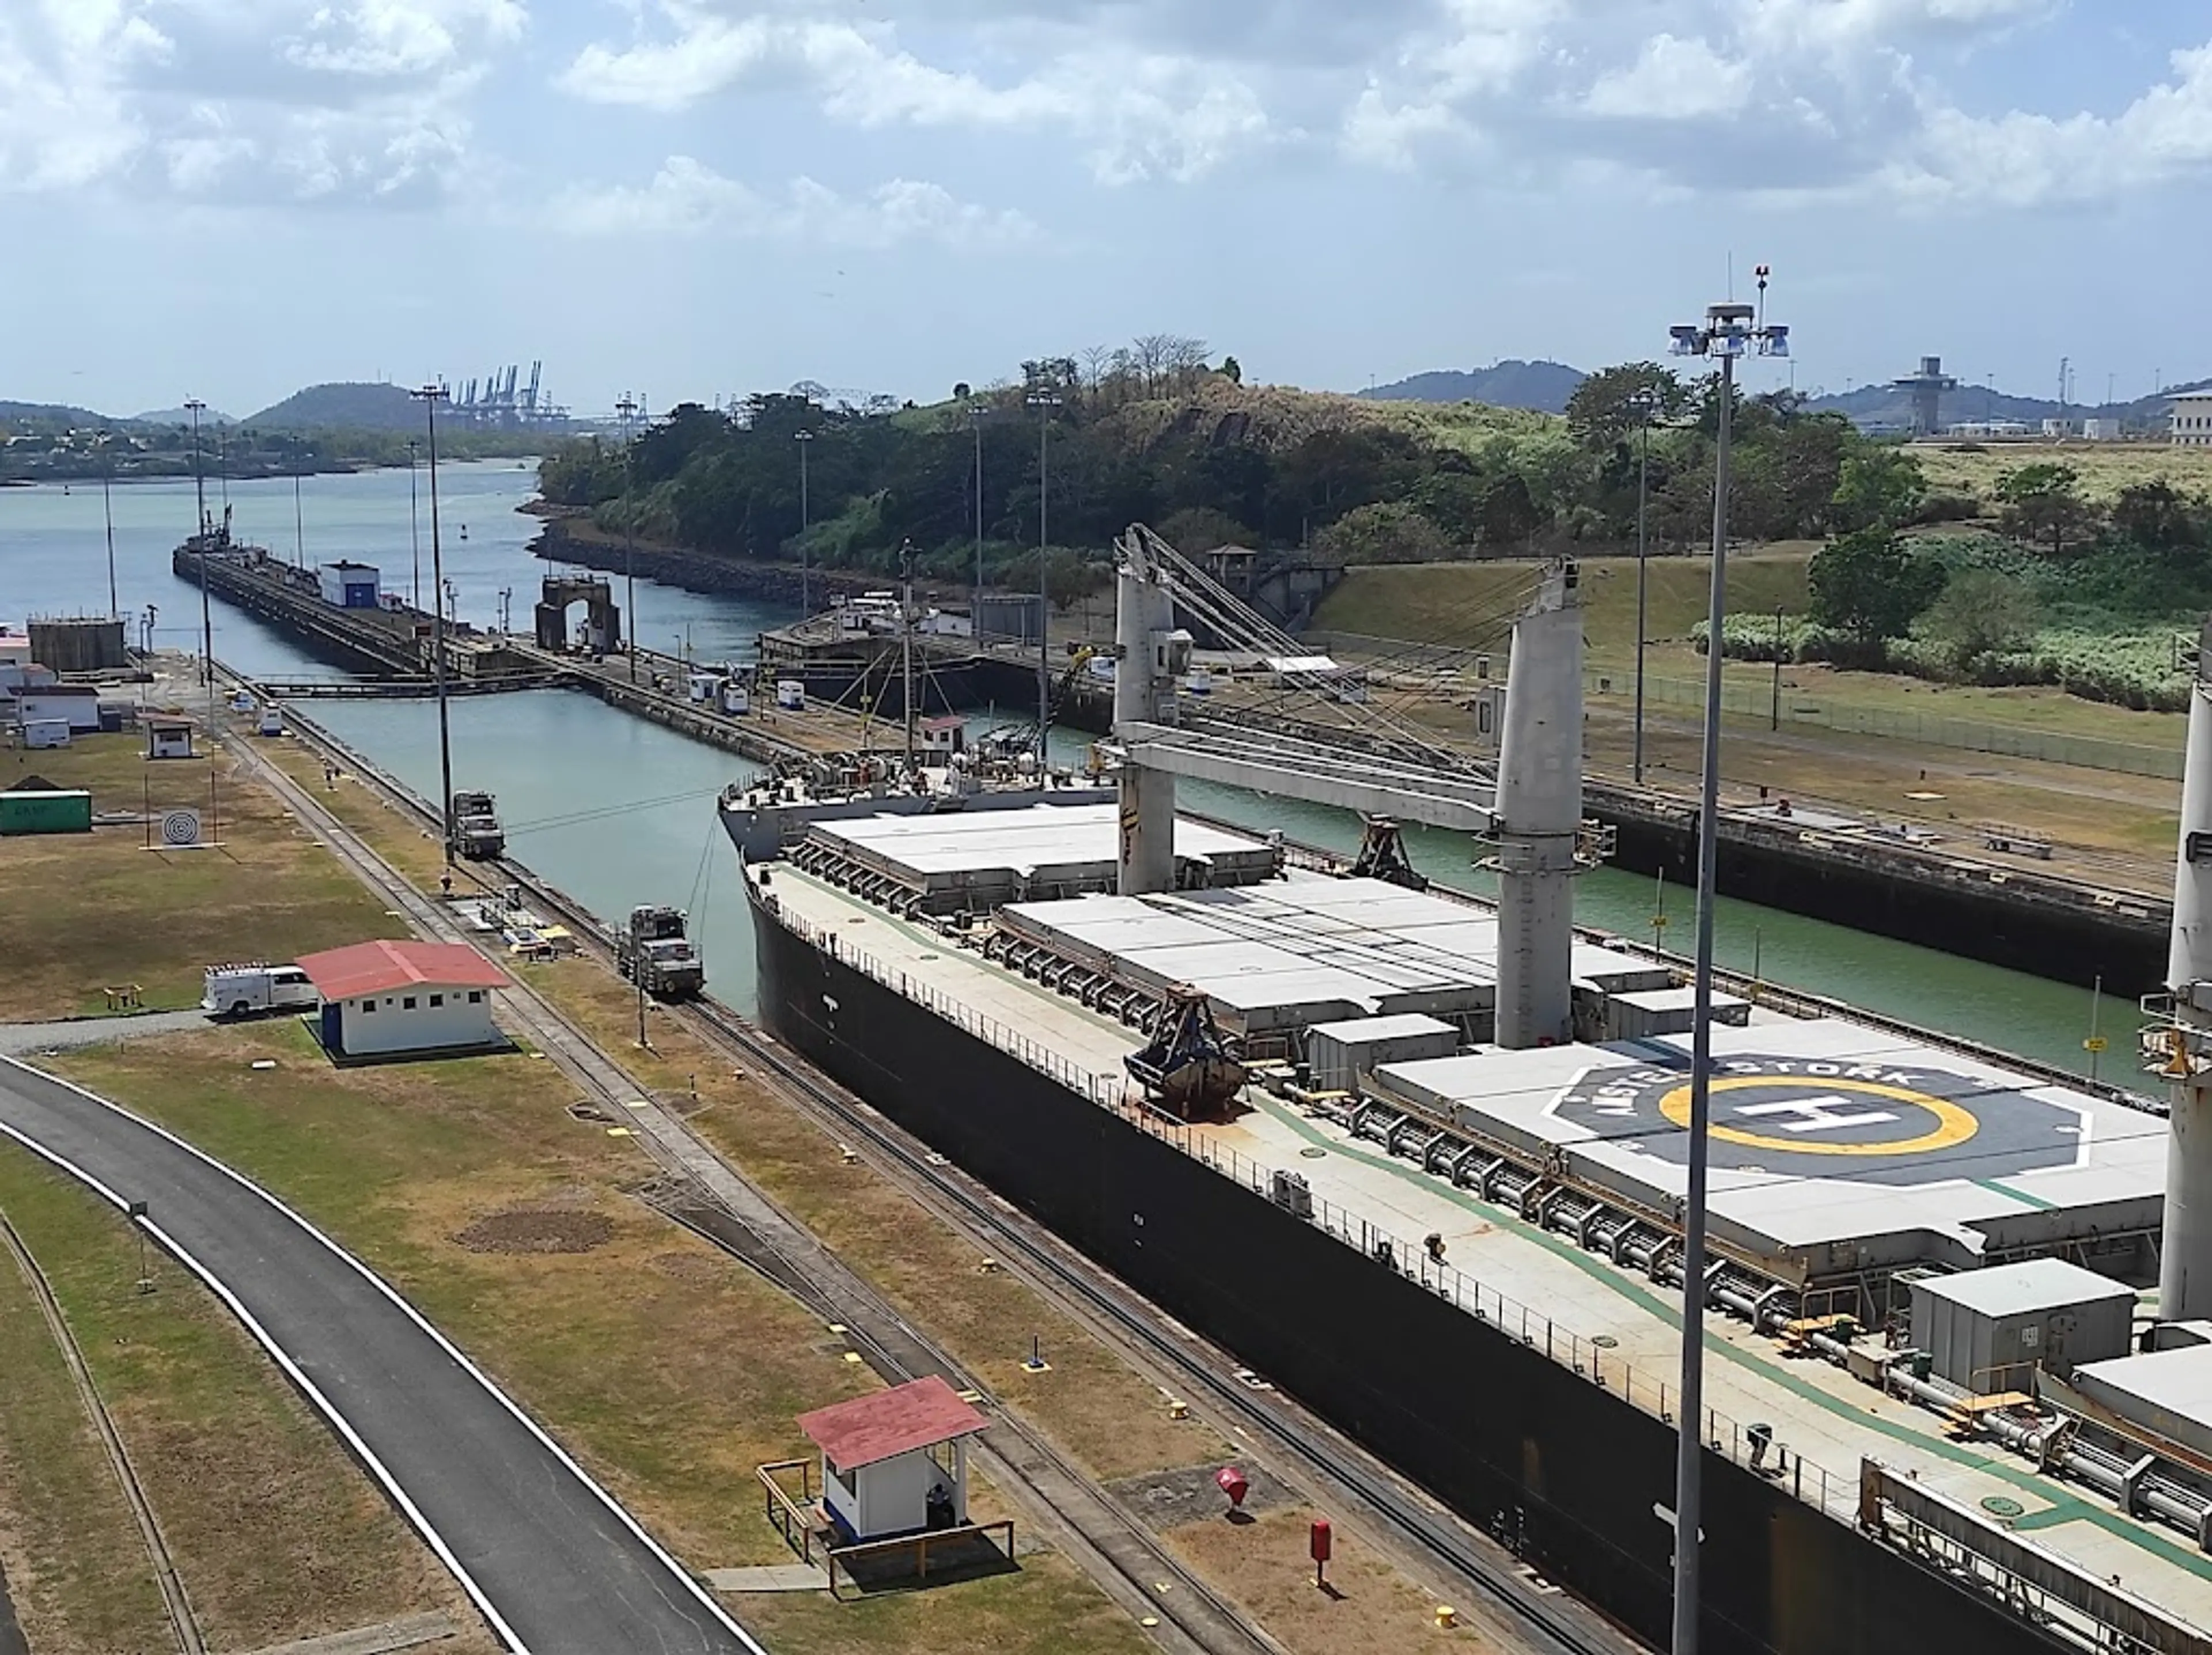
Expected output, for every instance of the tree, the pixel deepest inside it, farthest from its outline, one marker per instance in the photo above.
(1383, 534)
(1232, 370)
(2043, 502)
(2159, 517)
(1604, 409)
(1868, 585)
(1981, 612)
(1201, 528)
(1880, 488)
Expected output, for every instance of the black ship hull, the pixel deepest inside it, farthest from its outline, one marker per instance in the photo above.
(1563, 1471)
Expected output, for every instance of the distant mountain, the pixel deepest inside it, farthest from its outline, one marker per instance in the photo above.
(181, 417)
(1543, 386)
(51, 413)
(1884, 407)
(346, 406)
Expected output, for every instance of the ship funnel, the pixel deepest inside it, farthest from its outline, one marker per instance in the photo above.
(1540, 810)
(2184, 1277)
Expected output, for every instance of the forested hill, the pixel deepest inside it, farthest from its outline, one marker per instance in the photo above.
(1544, 386)
(1208, 459)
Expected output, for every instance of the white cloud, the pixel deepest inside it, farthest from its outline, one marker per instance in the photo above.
(245, 100)
(687, 198)
(1137, 114)
(2025, 160)
(1671, 80)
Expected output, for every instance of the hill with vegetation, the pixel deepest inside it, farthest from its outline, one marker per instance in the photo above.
(1189, 447)
(1541, 387)
(344, 406)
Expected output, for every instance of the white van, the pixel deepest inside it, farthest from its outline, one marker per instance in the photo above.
(241, 990)
(46, 733)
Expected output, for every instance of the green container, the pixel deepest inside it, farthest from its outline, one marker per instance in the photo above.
(44, 812)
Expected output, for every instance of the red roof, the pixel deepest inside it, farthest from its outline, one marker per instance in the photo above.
(892, 1422)
(375, 968)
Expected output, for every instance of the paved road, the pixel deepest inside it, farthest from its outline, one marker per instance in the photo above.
(548, 1557)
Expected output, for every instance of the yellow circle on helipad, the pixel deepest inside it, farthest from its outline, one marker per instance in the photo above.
(1955, 1125)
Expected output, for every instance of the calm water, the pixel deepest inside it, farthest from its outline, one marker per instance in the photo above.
(618, 812)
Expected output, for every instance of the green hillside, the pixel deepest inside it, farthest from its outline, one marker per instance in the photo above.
(350, 406)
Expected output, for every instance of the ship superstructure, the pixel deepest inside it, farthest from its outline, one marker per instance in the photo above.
(1441, 1199)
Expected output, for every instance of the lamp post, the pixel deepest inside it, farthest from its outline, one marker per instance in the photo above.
(299, 517)
(207, 611)
(1774, 706)
(977, 413)
(1044, 402)
(107, 510)
(414, 529)
(1728, 332)
(805, 441)
(628, 408)
(1646, 403)
(430, 396)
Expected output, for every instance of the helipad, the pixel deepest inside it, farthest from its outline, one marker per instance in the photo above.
(1836, 1148)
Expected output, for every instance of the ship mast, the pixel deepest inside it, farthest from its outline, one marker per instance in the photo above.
(906, 647)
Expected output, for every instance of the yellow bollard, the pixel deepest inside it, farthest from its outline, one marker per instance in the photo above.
(1178, 1409)
(1447, 1617)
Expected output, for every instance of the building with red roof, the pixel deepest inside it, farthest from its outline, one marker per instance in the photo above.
(895, 1462)
(405, 999)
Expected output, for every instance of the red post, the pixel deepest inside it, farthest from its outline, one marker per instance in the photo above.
(1320, 1547)
(1231, 1482)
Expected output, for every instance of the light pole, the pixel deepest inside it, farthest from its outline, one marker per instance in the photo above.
(107, 510)
(1774, 709)
(1044, 402)
(1728, 332)
(1646, 403)
(628, 408)
(414, 528)
(977, 413)
(430, 396)
(805, 441)
(207, 611)
(299, 520)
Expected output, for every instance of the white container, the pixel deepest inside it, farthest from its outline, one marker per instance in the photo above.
(46, 732)
(791, 695)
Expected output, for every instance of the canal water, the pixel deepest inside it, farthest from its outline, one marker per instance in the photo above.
(618, 812)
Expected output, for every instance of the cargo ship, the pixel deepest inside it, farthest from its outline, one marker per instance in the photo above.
(1420, 1161)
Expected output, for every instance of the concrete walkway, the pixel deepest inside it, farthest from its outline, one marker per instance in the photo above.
(18, 1039)
(410, 1633)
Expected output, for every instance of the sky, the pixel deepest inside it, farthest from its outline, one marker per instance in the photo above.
(696, 199)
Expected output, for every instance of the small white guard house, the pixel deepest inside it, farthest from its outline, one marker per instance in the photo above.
(895, 1462)
(398, 999)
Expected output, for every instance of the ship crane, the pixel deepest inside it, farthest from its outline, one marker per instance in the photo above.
(1531, 805)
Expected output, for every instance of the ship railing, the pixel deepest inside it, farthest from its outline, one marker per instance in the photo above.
(1753, 1446)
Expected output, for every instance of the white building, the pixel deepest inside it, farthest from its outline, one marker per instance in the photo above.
(76, 704)
(405, 999)
(895, 1462)
(2192, 420)
(2101, 430)
(348, 585)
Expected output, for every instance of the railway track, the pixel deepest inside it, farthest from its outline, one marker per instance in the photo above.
(1096, 1529)
(1508, 1600)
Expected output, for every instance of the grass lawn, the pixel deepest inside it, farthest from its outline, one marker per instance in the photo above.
(84, 912)
(2105, 467)
(669, 1369)
(276, 1534)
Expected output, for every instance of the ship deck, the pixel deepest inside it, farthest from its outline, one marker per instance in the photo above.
(1612, 1323)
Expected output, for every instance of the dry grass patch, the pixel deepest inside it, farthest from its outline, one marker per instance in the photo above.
(276, 1532)
(1107, 1417)
(1264, 1565)
(1048, 1609)
(670, 1383)
(85, 911)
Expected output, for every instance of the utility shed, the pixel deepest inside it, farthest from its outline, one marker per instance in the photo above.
(895, 1462)
(1338, 1052)
(1987, 1329)
(169, 738)
(405, 999)
(24, 810)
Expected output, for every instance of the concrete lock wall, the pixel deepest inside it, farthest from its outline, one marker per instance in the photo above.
(1567, 1473)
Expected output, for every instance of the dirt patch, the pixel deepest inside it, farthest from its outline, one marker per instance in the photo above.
(537, 1230)
(1168, 1499)
(693, 1269)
